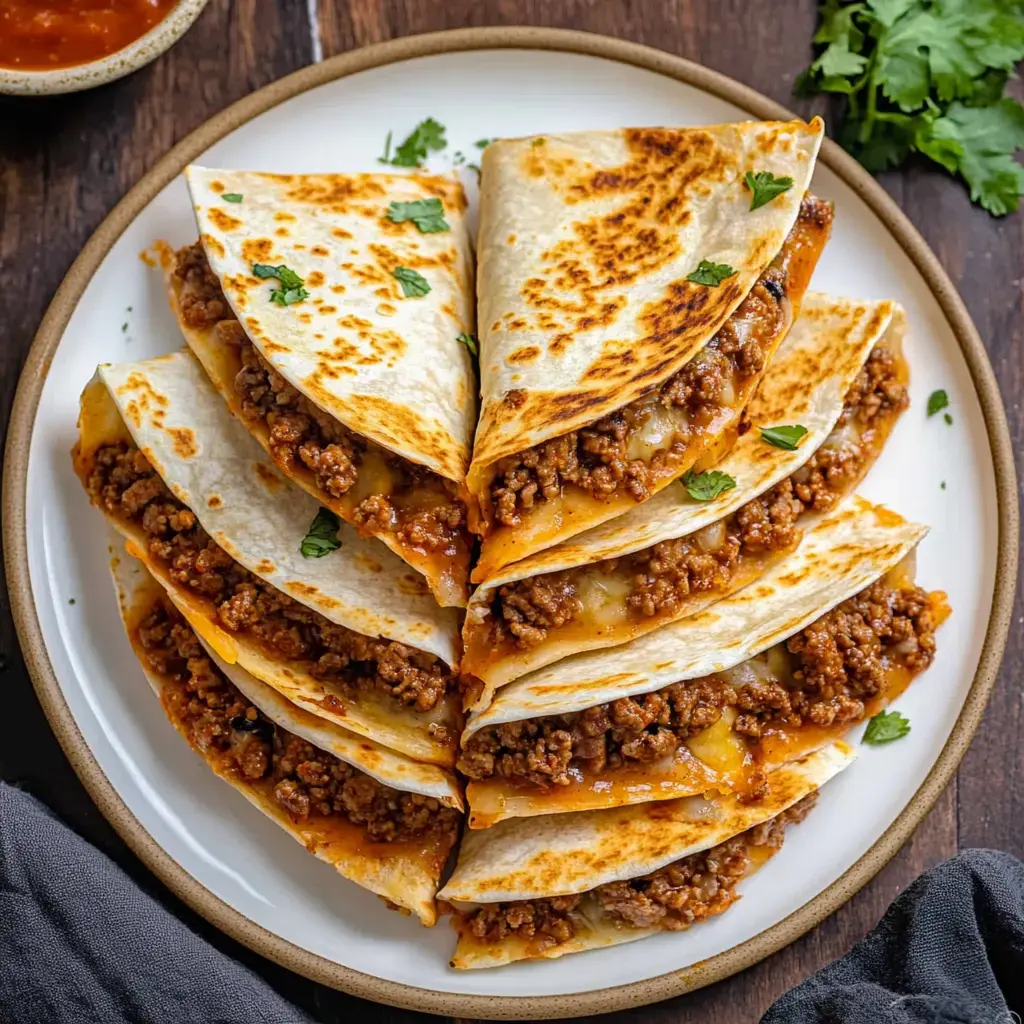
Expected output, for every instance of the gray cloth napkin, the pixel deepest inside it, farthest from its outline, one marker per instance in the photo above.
(950, 950)
(80, 942)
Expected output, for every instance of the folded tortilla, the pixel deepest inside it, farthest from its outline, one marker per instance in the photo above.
(518, 862)
(406, 871)
(738, 642)
(372, 361)
(589, 592)
(613, 355)
(358, 602)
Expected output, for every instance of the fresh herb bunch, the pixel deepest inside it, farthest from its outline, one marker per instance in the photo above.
(927, 76)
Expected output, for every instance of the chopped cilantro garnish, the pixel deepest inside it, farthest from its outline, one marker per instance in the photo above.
(707, 485)
(710, 274)
(885, 727)
(786, 437)
(937, 401)
(291, 290)
(475, 167)
(927, 76)
(426, 214)
(764, 187)
(231, 197)
(322, 537)
(482, 143)
(427, 137)
(413, 284)
(469, 340)
(948, 419)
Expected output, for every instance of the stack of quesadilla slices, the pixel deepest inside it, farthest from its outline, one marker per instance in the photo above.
(680, 605)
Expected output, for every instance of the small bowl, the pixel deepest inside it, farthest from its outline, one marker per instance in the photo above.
(116, 65)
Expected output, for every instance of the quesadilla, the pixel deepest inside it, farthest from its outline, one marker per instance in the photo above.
(716, 701)
(633, 287)
(334, 313)
(556, 884)
(384, 821)
(823, 413)
(334, 622)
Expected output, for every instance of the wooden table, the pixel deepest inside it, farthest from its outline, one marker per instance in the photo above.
(65, 161)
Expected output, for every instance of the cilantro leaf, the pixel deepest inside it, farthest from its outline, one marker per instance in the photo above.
(291, 290)
(710, 274)
(426, 214)
(708, 485)
(469, 340)
(322, 537)
(231, 197)
(787, 437)
(927, 76)
(885, 727)
(414, 285)
(483, 143)
(427, 137)
(937, 401)
(764, 187)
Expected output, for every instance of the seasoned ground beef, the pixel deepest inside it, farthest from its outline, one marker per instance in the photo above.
(672, 898)
(595, 458)
(423, 510)
(306, 781)
(840, 660)
(664, 575)
(551, 751)
(124, 483)
(835, 665)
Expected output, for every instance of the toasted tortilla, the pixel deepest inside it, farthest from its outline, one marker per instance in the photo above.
(168, 408)
(578, 319)
(850, 549)
(806, 385)
(387, 366)
(555, 855)
(406, 873)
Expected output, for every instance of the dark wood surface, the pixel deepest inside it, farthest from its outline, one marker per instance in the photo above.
(65, 161)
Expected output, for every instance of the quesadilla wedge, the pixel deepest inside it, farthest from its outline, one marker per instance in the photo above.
(332, 312)
(384, 821)
(562, 884)
(839, 377)
(334, 622)
(633, 286)
(716, 701)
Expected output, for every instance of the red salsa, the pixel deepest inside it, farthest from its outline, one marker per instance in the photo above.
(36, 35)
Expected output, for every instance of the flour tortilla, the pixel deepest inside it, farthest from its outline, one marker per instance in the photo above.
(806, 384)
(845, 553)
(407, 874)
(576, 318)
(557, 855)
(387, 366)
(169, 409)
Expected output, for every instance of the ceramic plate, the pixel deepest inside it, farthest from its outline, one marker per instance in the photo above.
(164, 799)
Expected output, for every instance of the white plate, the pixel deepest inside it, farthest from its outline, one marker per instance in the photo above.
(225, 844)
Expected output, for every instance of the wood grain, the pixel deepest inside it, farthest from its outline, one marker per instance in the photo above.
(64, 162)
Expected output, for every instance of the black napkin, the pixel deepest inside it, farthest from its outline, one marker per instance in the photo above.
(80, 942)
(950, 950)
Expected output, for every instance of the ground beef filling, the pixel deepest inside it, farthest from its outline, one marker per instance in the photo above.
(124, 483)
(834, 666)
(423, 509)
(672, 898)
(306, 781)
(664, 575)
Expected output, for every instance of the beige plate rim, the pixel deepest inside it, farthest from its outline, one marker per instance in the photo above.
(230, 920)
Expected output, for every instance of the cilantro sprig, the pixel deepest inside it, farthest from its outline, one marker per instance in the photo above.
(764, 187)
(469, 340)
(710, 274)
(322, 537)
(426, 214)
(885, 727)
(414, 284)
(927, 76)
(291, 290)
(427, 137)
(785, 437)
(708, 485)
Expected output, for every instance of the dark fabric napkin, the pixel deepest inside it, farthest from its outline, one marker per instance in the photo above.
(950, 950)
(80, 942)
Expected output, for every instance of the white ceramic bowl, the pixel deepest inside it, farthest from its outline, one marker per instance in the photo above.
(116, 65)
